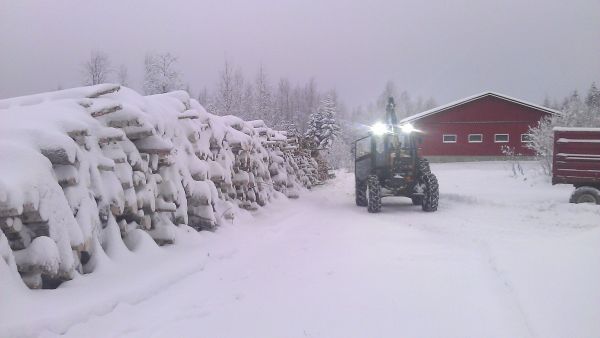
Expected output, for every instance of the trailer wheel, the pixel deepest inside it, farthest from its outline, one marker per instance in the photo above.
(360, 192)
(431, 193)
(373, 194)
(585, 195)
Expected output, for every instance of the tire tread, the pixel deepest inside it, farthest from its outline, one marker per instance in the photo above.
(374, 194)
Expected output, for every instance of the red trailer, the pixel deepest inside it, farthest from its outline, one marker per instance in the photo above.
(577, 161)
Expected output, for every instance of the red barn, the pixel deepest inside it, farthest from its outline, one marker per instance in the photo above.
(477, 127)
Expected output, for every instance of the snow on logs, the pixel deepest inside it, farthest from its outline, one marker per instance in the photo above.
(87, 164)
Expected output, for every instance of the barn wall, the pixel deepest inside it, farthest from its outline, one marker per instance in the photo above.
(488, 116)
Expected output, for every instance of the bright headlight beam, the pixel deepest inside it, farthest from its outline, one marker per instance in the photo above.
(407, 128)
(379, 129)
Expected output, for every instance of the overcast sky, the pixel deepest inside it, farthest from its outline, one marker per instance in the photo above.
(444, 49)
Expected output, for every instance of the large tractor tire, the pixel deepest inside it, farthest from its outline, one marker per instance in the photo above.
(417, 199)
(585, 195)
(373, 194)
(431, 193)
(360, 192)
(423, 166)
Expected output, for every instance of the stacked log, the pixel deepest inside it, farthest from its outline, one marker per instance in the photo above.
(118, 160)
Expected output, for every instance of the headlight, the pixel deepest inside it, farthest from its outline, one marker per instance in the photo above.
(379, 129)
(407, 128)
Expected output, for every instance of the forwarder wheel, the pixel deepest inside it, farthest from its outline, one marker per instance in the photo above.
(360, 192)
(423, 166)
(373, 194)
(431, 193)
(585, 195)
(417, 200)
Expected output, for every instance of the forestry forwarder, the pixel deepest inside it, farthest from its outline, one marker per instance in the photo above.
(387, 164)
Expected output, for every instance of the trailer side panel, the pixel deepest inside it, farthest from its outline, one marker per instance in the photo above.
(576, 156)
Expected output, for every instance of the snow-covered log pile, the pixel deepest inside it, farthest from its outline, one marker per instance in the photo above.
(83, 169)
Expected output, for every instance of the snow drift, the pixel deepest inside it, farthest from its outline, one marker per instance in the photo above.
(84, 170)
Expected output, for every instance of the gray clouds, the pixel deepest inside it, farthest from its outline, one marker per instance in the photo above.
(445, 49)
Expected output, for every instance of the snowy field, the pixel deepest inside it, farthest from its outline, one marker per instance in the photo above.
(503, 257)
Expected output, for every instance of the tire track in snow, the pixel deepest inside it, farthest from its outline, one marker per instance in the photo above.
(485, 251)
(508, 286)
(466, 238)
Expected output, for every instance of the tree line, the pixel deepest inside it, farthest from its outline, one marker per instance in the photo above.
(318, 116)
(304, 110)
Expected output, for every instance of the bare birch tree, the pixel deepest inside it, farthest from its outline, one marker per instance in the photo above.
(96, 69)
(161, 74)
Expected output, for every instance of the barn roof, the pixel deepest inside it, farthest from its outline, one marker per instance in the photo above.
(477, 97)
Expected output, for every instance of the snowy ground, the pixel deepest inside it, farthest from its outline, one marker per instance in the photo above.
(503, 257)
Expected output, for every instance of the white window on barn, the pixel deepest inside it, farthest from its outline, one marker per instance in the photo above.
(526, 138)
(475, 138)
(501, 138)
(449, 138)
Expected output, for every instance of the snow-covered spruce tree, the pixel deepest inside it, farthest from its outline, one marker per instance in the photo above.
(340, 154)
(322, 126)
(592, 101)
(323, 130)
(329, 127)
(312, 130)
